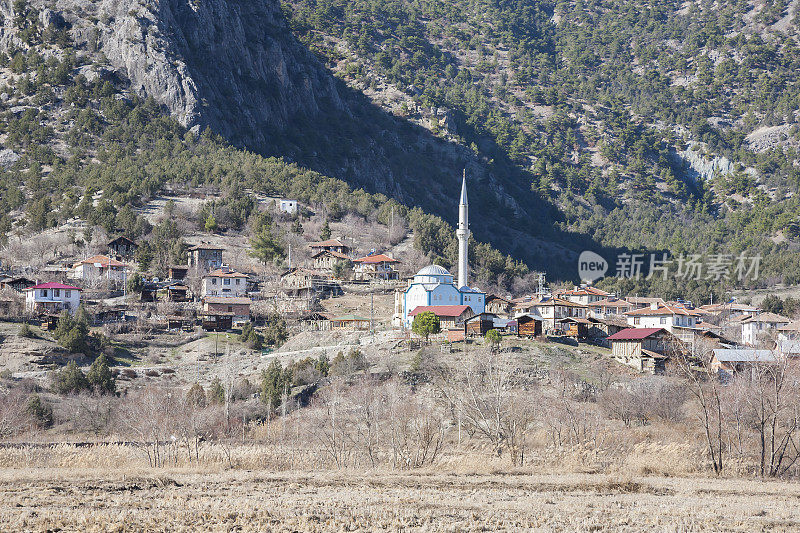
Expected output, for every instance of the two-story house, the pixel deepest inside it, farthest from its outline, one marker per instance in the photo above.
(375, 267)
(331, 245)
(677, 318)
(52, 298)
(204, 257)
(762, 327)
(551, 309)
(583, 295)
(224, 282)
(99, 267)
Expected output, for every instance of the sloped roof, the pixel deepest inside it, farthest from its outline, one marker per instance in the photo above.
(745, 355)
(663, 310)
(230, 300)
(440, 310)
(221, 273)
(53, 285)
(583, 291)
(608, 302)
(634, 334)
(329, 242)
(334, 253)
(103, 260)
(205, 247)
(791, 326)
(377, 258)
(767, 318)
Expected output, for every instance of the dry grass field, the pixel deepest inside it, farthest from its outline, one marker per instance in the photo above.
(91, 500)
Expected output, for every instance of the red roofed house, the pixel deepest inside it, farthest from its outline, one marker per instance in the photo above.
(584, 295)
(377, 266)
(641, 348)
(99, 267)
(52, 298)
(667, 316)
(450, 316)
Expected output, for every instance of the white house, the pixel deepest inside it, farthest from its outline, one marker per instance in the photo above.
(584, 295)
(551, 310)
(52, 298)
(288, 206)
(434, 286)
(224, 282)
(758, 327)
(99, 267)
(667, 316)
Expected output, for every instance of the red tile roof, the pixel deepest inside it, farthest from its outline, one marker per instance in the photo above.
(440, 310)
(103, 260)
(580, 291)
(53, 285)
(378, 258)
(663, 310)
(632, 334)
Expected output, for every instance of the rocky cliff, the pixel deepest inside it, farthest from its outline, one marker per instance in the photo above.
(234, 66)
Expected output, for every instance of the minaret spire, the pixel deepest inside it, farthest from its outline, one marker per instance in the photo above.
(462, 233)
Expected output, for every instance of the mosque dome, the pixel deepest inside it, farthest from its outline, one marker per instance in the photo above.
(434, 270)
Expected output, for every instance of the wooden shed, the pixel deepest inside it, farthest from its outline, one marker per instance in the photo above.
(529, 325)
(479, 324)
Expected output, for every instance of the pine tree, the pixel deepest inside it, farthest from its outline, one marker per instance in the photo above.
(100, 376)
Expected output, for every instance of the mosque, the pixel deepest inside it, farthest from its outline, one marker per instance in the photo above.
(434, 286)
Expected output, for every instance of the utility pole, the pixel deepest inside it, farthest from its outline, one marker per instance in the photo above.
(290, 256)
(371, 313)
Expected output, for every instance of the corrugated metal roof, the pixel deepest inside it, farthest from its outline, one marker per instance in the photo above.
(745, 355)
(632, 334)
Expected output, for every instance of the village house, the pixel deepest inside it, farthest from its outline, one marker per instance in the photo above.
(551, 309)
(499, 306)
(324, 260)
(99, 267)
(331, 245)
(642, 348)
(223, 282)
(762, 327)
(729, 361)
(299, 282)
(375, 267)
(790, 331)
(583, 295)
(667, 316)
(287, 206)
(608, 307)
(237, 307)
(203, 257)
(122, 248)
(641, 302)
(354, 322)
(450, 316)
(52, 298)
(177, 272)
(729, 310)
(18, 284)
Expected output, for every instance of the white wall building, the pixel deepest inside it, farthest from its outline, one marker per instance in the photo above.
(434, 286)
(224, 282)
(663, 316)
(762, 326)
(99, 267)
(288, 206)
(52, 297)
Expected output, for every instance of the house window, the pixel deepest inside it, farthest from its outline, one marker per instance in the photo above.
(67, 293)
(44, 293)
(213, 281)
(636, 321)
(230, 309)
(56, 293)
(226, 282)
(663, 320)
(238, 281)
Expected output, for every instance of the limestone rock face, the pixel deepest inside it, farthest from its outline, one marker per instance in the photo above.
(231, 65)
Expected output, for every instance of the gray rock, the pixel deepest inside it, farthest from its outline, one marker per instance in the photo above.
(8, 157)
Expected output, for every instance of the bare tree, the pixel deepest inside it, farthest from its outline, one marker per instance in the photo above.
(487, 395)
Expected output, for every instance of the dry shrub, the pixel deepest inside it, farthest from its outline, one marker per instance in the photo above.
(665, 459)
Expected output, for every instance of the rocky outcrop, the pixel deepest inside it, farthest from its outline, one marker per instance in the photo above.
(231, 65)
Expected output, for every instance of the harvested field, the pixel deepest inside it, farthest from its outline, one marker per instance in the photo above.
(180, 500)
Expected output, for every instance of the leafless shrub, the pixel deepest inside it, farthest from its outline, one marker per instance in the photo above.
(14, 418)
